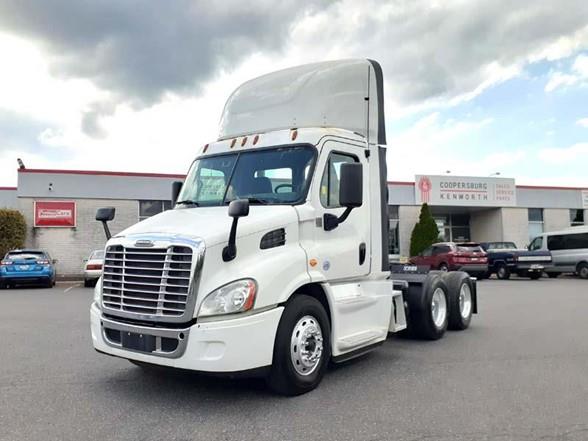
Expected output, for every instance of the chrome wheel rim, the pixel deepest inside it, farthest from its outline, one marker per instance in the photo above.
(439, 307)
(306, 345)
(465, 301)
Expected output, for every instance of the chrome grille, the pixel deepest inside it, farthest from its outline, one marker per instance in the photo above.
(147, 281)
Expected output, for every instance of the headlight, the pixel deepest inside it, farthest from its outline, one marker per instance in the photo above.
(235, 297)
(97, 290)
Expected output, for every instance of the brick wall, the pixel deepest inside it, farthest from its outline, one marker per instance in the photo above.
(486, 225)
(409, 216)
(515, 225)
(70, 246)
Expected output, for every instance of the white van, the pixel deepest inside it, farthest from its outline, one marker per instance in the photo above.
(569, 250)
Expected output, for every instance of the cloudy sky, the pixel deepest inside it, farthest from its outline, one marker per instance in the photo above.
(474, 87)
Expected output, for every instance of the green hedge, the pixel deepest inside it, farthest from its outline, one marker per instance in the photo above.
(13, 230)
(425, 232)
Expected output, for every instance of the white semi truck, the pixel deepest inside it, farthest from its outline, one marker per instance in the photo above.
(274, 259)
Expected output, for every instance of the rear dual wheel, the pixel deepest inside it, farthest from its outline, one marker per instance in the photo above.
(430, 321)
(461, 304)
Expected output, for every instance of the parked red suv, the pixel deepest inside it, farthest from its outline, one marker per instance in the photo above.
(451, 256)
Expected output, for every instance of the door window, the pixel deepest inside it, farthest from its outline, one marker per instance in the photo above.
(331, 177)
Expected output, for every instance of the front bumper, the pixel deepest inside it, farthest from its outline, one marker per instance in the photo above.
(228, 346)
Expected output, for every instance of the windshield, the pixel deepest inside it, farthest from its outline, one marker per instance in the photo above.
(98, 254)
(269, 176)
(25, 255)
(469, 248)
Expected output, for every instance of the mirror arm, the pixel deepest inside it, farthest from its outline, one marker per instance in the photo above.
(230, 251)
(106, 230)
(330, 221)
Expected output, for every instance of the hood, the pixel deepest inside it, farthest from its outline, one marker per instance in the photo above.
(213, 224)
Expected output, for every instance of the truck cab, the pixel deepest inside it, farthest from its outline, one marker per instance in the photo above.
(274, 258)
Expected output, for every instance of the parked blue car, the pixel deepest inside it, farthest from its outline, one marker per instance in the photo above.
(21, 267)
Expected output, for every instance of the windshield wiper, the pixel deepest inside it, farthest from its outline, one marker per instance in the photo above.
(252, 201)
(188, 202)
(258, 201)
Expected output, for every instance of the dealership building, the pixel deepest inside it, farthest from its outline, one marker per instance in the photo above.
(60, 206)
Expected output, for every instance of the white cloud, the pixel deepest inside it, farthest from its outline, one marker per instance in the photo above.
(566, 155)
(577, 75)
(583, 122)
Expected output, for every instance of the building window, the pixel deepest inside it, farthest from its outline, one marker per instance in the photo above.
(576, 217)
(453, 227)
(393, 220)
(535, 216)
(151, 208)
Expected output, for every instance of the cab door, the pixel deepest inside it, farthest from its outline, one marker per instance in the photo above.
(344, 252)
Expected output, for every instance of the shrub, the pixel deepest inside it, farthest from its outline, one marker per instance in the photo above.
(425, 232)
(13, 230)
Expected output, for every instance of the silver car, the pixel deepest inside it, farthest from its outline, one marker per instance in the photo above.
(569, 249)
(93, 267)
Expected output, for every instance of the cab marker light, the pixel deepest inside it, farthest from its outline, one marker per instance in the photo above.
(233, 142)
(243, 141)
(205, 148)
(294, 134)
(255, 139)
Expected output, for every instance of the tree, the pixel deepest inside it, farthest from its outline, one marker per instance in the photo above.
(13, 230)
(425, 232)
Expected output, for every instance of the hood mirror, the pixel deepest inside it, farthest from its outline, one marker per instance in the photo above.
(104, 215)
(237, 208)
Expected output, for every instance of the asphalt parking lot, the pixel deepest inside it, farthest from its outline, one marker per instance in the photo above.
(519, 373)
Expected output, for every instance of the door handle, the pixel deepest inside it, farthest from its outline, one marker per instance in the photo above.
(361, 253)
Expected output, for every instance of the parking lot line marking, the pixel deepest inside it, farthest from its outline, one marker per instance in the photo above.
(71, 287)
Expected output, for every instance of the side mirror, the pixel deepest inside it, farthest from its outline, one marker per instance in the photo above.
(350, 194)
(104, 215)
(237, 208)
(176, 188)
(351, 185)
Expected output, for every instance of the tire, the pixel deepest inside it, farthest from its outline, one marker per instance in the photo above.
(3, 285)
(582, 270)
(461, 306)
(424, 321)
(535, 275)
(552, 275)
(502, 271)
(303, 316)
(443, 267)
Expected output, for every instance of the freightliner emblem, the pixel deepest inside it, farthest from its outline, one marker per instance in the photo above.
(143, 243)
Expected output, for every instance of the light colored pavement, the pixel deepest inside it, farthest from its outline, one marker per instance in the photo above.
(519, 373)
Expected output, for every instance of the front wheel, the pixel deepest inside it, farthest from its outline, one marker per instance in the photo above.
(302, 348)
